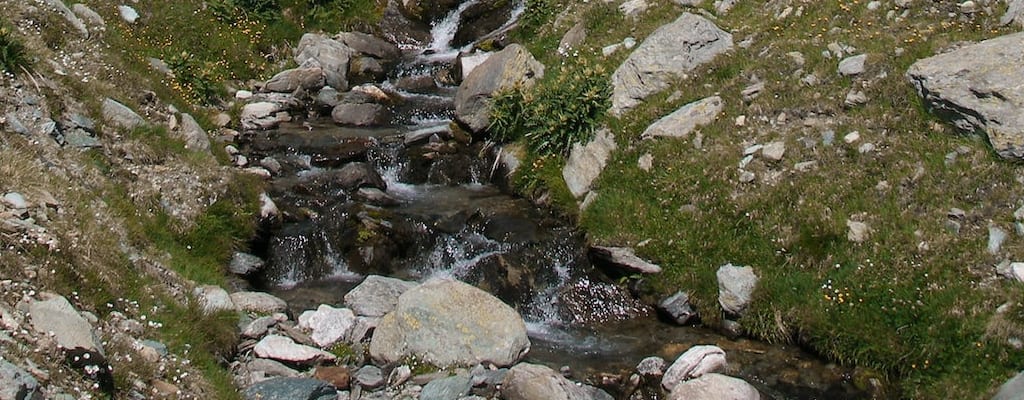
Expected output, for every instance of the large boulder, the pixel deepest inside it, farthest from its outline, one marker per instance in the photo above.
(333, 57)
(694, 363)
(308, 76)
(735, 287)
(291, 389)
(446, 323)
(57, 317)
(977, 88)
(512, 67)
(714, 387)
(534, 382)
(1013, 389)
(377, 295)
(258, 302)
(370, 45)
(16, 383)
(586, 162)
(686, 119)
(666, 55)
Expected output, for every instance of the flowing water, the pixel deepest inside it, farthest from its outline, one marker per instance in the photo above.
(442, 217)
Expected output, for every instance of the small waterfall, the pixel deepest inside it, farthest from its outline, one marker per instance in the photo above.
(443, 32)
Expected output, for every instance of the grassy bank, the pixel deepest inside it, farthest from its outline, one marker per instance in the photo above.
(917, 300)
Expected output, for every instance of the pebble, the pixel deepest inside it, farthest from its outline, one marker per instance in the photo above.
(774, 151)
(746, 177)
(851, 137)
(996, 237)
(874, 5)
(370, 377)
(866, 148)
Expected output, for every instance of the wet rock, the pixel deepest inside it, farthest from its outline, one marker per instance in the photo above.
(17, 384)
(213, 299)
(450, 388)
(672, 51)
(370, 45)
(57, 317)
(358, 175)
(586, 162)
(291, 389)
(714, 387)
(370, 377)
(531, 382)
(376, 197)
(466, 63)
(361, 114)
(333, 57)
(686, 119)
(417, 84)
(622, 259)
(329, 325)
(245, 263)
(735, 287)
(376, 295)
(309, 76)
(446, 322)
(678, 308)
(853, 65)
(1013, 389)
(512, 67)
(258, 302)
(694, 363)
(651, 367)
(480, 19)
(260, 115)
(586, 303)
(282, 348)
(120, 115)
(337, 376)
(364, 70)
(195, 136)
(974, 89)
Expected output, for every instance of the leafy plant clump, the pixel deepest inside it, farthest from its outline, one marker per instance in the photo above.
(12, 52)
(557, 112)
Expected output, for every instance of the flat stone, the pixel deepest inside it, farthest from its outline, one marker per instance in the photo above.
(853, 65)
(694, 363)
(370, 377)
(586, 162)
(376, 295)
(245, 263)
(533, 382)
(213, 298)
(59, 318)
(624, 259)
(450, 388)
(329, 325)
(17, 384)
(686, 119)
(120, 115)
(714, 387)
(258, 302)
(291, 389)
(858, 231)
(774, 151)
(285, 349)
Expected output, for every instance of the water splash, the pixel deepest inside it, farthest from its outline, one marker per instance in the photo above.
(443, 32)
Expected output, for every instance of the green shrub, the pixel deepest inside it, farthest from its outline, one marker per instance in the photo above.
(234, 10)
(12, 52)
(562, 109)
(196, 79)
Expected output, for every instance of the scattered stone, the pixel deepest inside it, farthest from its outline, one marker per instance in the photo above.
(866, 148)
(450, 388)
(329, 325)
(651, 367)
(678, 307)
(213, 299)
(686, 119)
(15, 201)
(356, 175)
(194, 135)
(774, 151)
(874, 5)
(258, 302)
(736, 287)
(69, 16)
(245, 264)
(258, 327)
(645, 162)
(120, 115)
(260, 115)
(573, 38)
(973, 87)
(633, 8)
(88, 15)
(851, 137)
(531, 382)
(586, 162)
(332, 56)
(751, 92)
(996, 237)
(282, 348)
(623, 259)
(291, 389)
(128, 14)
(969, 7)
(446, 322)
(361, 114)
(668, 54)
(855, 98)
(309, 76)
(747, 177)
(714, 387)
(694, 363)
(511, 67)
(853, 65)
(244, 94)
(858, 231)
(58, 318)
(370, 377)
(337, 376)
(17, 384)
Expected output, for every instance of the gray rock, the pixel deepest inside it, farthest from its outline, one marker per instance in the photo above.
(666, 55)
(512, 67)
(68, 16)
(573, 38)
(586, 162)
(78, 138)
(160, 66)
(858, 231)
(633, 8)
(996, 237)
(356, 175)
(369, 377)
(120, 115)
(1014, 13)
(258, 302)
(376, 295)
(624, 259)
(445, 323)
(976, 88)
(855, 98)
(260, 115)
(774, 151)
(694, 363)
(686, 119)
(15, 200)
(265, 369)
(735, 287)
(333, 57)
(853, 65)
(678, 307)
(450, 388)
(361, 114)
(417, 84)
(369, 45)
(1013, 389)
(651, 367)
(329, 325)
(309, 76)
(291, 389)
(87, 15)
(57, 317)
(285, 349)
(213, 299)
(258, 327)
(532, 382)
(17, 384)
(245, 263)
(128, 14)
(714, 387)
(194, 135)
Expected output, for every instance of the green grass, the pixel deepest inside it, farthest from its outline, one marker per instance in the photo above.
(915, 301)
(13, 56)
